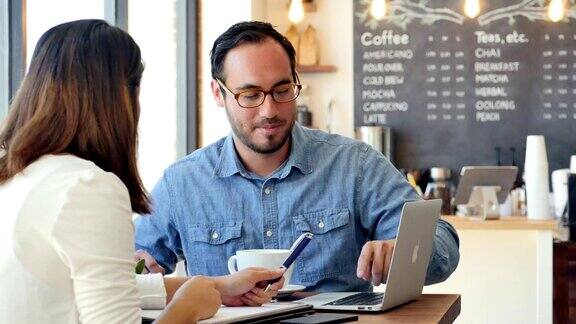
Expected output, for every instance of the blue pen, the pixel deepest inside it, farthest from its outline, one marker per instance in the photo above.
(295, 251)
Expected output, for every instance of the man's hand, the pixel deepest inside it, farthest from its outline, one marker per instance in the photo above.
(151, 263)
(374, 261)
(246, 287)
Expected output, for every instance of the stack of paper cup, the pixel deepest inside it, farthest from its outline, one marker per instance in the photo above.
(537, 183)
(560, 189)
(573, 164)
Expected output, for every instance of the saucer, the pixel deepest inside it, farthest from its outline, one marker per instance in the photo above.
(290, 289)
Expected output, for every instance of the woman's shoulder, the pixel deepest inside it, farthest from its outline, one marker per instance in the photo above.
(71, 173)
(62, 163)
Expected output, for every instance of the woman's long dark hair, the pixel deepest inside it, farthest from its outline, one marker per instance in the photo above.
(80, 97)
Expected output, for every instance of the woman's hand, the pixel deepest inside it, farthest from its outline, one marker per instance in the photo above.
(195, 300)
(246, 287)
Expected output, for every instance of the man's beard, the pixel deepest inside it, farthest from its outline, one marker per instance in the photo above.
(244, 137)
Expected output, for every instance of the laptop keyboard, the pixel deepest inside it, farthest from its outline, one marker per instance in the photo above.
(365, 298)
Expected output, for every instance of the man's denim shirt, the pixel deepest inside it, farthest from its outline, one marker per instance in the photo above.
(207, 206)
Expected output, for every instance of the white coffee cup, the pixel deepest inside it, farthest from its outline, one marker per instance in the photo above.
(573, 164)
(263, 258)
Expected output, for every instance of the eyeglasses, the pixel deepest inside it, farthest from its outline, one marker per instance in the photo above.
(253, 98)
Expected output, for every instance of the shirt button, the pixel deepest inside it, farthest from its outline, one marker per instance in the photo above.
(321, 224)
(215, 235)
(267, 190)
(268, 233)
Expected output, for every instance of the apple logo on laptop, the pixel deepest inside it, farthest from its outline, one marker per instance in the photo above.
(415, 252)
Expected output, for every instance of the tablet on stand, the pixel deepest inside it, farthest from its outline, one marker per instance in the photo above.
(484, 188)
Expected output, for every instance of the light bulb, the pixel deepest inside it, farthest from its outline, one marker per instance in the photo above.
(378, 9)
(556, 10)
(472, 8)
(296, 11)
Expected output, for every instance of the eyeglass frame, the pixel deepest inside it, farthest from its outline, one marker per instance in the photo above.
(269, 92)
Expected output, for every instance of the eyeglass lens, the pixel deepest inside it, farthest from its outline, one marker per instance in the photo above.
(280, 93)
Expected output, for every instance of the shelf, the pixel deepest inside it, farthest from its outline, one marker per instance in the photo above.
(315, 68)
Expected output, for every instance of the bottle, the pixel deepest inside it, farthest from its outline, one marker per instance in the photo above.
(498, 150)
(303, 116)
(441, 188)
(303, 113)
(518, 191)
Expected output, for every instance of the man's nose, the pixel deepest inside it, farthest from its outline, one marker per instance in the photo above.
(269, 108)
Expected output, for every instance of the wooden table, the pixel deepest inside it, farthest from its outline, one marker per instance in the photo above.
(429, 308)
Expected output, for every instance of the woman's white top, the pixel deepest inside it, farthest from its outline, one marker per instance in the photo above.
(67, 247)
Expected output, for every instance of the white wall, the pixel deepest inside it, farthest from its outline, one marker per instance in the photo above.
(333, 23)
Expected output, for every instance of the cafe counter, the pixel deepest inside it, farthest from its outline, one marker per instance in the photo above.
(505, 270)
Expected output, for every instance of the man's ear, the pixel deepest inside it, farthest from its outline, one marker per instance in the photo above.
(217, 93)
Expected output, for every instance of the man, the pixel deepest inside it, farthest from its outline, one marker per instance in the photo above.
(271, 180)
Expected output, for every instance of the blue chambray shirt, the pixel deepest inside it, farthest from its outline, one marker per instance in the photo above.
(207, 206)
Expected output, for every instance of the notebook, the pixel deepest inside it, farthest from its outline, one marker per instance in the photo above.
(245, 314)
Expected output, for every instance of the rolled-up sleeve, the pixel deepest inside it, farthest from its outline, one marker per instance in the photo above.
(445, 254)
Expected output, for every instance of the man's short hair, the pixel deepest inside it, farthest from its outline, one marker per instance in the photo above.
(247, 32)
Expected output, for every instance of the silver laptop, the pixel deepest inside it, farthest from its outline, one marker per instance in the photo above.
(408, 267)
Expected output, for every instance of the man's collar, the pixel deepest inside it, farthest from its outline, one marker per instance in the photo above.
(299, 158)
(229, 163)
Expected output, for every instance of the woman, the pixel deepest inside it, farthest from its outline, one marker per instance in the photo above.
(68, 187)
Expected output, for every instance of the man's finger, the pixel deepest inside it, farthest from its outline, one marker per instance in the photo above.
(388, 261)
(260, 298)
(261, 275)
(140, 254)
(262, 293)
(151, 263)
(364, 262)
(277, 286)
(248, 301)
(156, 268)
(256, 269)
(378, 263)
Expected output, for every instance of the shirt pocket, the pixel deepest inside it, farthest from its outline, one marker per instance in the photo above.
(212, 244)
(330, 252)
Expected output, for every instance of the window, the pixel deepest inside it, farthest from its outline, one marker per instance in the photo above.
(153, 25)
(41, 15)
(4, 66)
(167, 130)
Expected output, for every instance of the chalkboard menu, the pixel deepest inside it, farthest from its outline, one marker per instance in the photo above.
(455, 90)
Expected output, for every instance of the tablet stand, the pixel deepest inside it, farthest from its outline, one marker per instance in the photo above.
(486, 198)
